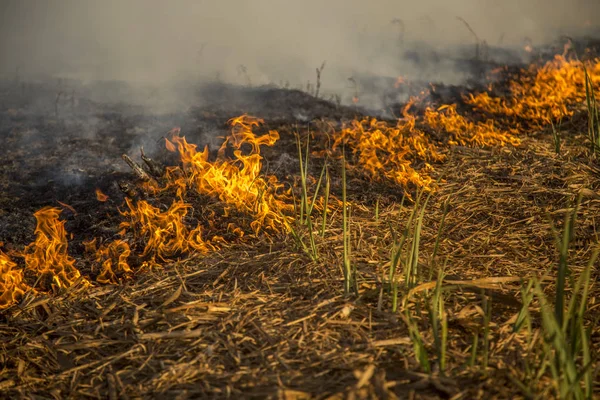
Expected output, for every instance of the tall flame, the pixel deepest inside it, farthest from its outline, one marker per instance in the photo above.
(47, 255)
(237, 182)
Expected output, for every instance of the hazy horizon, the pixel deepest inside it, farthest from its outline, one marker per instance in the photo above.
(150, 41)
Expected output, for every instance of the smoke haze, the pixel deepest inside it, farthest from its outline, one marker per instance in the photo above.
(264, 41)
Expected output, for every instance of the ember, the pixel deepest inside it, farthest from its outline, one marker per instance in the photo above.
(101, 196)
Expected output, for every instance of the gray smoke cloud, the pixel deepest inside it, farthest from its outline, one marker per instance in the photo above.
(265, 41)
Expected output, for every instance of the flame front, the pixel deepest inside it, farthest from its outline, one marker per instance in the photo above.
(47, 256)
(542, 94)
(113, 259)
(394, 151)
(12, 286)
(164, 233)
(237, 182)
(390, 151)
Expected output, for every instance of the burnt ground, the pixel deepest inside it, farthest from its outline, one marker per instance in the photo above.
(260, 318)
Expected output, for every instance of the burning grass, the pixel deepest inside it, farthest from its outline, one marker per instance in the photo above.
(48, 257)
(403, 153)
(543, 94)
(12, 285)
(481, 296)
(164, 233)
(237, 182)
(113, 261)
(391, 152)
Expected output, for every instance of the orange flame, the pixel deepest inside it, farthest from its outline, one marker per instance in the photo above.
(545, 94)
(170, 146)
(117, 251)
(393, 152)
(237, 182)
(463, 131)
(101, 196)
(68, 207)
(386, 151)
(12, 286)
(47, 255)
(90, 245)
(164, 233)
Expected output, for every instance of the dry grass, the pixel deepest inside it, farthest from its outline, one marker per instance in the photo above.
(264, 319)
(481, 285)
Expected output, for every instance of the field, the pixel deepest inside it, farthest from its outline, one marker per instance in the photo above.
(447, 253)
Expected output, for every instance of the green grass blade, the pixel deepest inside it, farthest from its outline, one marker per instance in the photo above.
(345, 233)
(326, 200)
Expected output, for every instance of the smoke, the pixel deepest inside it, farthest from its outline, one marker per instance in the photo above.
(265, 41)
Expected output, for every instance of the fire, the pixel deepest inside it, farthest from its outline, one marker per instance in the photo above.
(113, 259)
(466, 132)
(401, 152)
(68, 207)
(393, 151)
(101, 196)
(390, 151)
(47, 256)
(170, 146)
(237, 182)
(12, 286)
(543, 95)
(164, 233)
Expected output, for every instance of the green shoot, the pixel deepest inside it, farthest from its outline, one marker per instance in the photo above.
(418, 343)
(487, 309)
(556, 135)
(438, 237)
(474, 350)
(348, 275)
(307, 203)
(326, 200)
(439, 322)
(593, 114)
